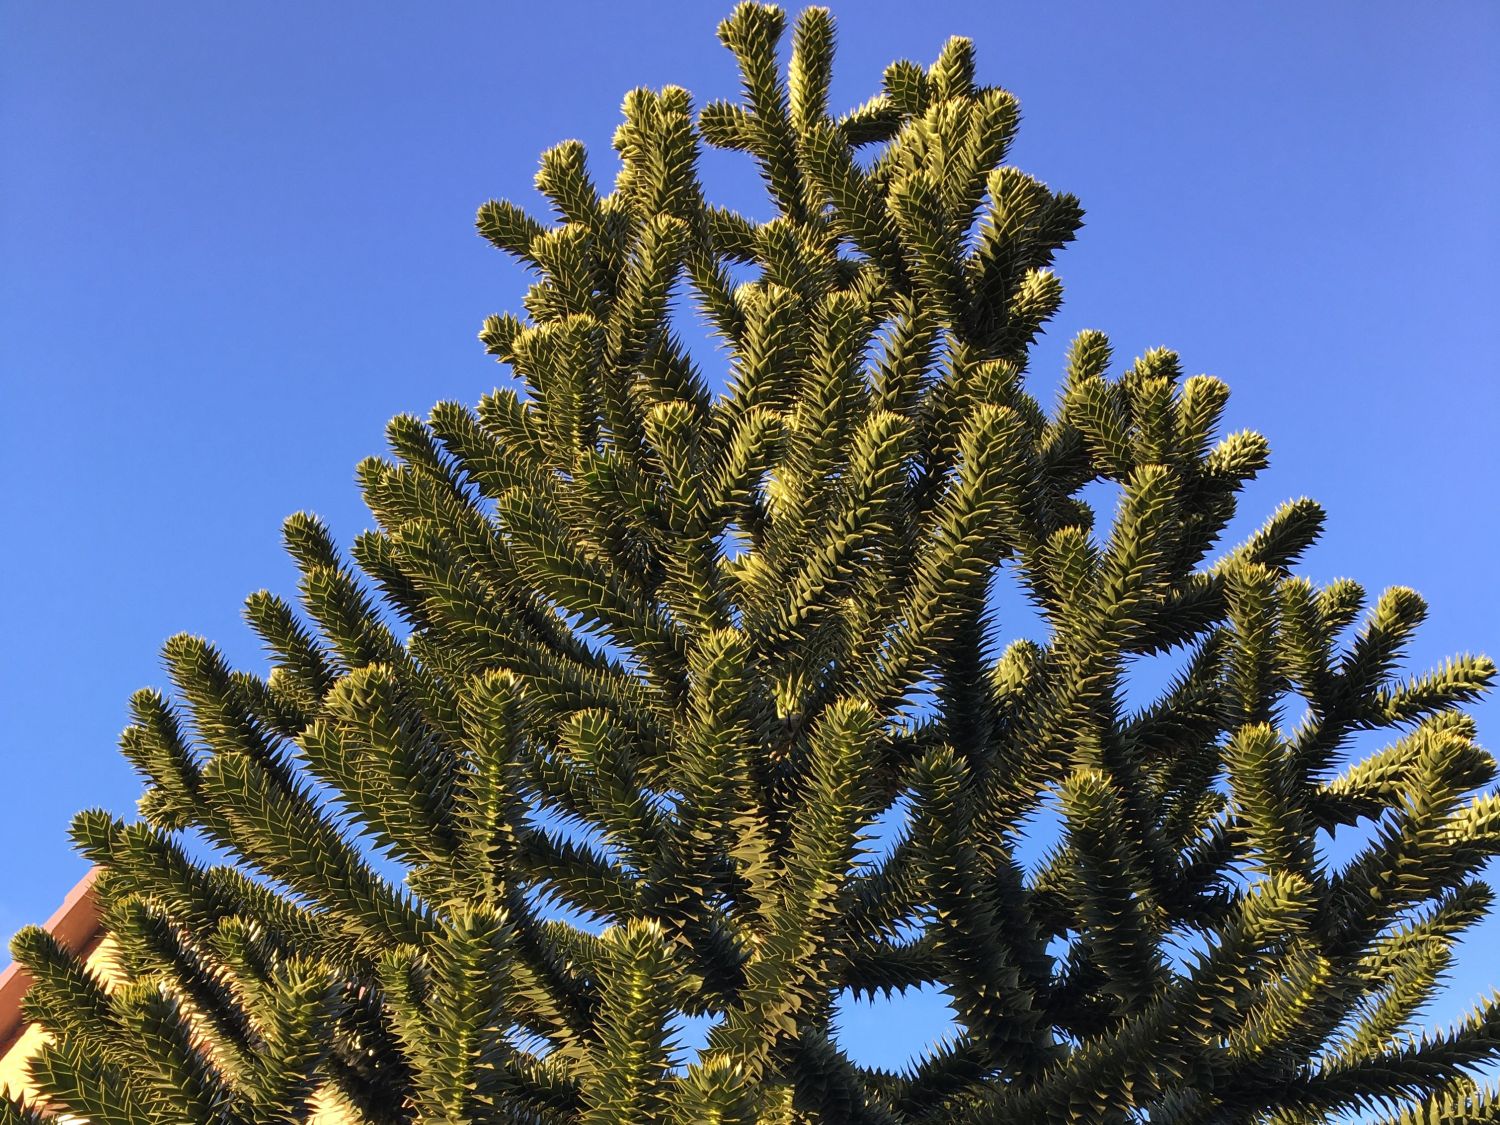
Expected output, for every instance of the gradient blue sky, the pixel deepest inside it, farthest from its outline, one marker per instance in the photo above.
(234, 240)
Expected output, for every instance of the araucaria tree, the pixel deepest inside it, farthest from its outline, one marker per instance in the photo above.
(631, 673)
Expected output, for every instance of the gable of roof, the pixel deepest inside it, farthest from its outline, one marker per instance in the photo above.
(76, 925)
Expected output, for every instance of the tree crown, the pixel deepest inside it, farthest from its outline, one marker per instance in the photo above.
(629, 672)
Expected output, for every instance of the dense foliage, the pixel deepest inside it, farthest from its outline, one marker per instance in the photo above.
(630, 672)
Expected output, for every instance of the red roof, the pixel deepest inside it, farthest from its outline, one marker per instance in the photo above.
(76, 925)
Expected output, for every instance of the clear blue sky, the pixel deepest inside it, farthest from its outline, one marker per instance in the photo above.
(235, 239)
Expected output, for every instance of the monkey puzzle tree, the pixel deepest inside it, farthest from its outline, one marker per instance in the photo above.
(631, 671)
